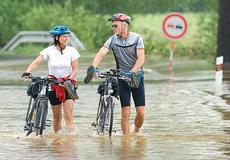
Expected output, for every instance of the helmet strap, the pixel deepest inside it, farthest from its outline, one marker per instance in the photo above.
(58, 44)
(55, 41)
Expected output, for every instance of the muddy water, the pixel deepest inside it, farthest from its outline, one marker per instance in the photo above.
(185, 119)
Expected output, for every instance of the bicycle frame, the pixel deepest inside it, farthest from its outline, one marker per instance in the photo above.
(38, 109)
(104, 118)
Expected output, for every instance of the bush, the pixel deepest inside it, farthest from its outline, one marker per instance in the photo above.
(91, 29)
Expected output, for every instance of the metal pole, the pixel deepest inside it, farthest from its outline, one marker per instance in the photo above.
(171, 48)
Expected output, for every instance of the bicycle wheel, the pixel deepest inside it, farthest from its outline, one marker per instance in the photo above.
(44, 112)
(100, 120)
(28, 109)
(30, 118)
(109, 114)
(38, 114)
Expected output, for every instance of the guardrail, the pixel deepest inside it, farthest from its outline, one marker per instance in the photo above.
(38, 37)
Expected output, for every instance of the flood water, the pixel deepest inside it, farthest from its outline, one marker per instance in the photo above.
(185, 119)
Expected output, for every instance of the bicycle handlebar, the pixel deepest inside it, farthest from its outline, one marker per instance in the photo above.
(116, 73)
(39, 79)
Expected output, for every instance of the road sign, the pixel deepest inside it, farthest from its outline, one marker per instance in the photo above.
(174, 25)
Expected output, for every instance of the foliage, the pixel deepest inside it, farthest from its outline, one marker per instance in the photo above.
(88, 20)
(206, 38)
(146, 6)
(198, 42)
(9, 11)
(83, 23)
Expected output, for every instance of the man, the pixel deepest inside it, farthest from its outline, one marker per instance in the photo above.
(128, 50)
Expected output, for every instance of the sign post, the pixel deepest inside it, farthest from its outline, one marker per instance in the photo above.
(174, 27)
(219, 75)
(171, 48)
(219, 70)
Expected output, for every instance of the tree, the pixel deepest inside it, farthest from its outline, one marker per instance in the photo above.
(223, 39)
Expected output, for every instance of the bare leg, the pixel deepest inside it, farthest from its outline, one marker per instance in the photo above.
(57, 117)
(125, 120)
(68, 106)
(139, 119)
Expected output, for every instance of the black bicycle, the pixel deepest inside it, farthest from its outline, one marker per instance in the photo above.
(38, 105)
(108, 91)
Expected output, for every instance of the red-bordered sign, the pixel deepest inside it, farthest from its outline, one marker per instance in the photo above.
(174, 25)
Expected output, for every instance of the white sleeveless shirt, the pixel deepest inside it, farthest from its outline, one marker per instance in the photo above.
(60, 64)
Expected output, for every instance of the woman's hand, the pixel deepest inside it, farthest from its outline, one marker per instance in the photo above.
(26, 75)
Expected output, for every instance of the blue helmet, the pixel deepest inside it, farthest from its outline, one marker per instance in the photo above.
(59, 30)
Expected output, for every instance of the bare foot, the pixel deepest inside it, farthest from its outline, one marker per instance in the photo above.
(134, 130)
(137, 130)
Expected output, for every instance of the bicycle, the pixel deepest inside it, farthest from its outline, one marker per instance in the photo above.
(108, 91)
(38, 105)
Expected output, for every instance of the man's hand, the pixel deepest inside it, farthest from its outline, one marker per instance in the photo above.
(91, 72)
(96, 72)
(128, 74)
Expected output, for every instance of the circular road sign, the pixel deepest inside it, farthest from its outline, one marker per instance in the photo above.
(174, 25)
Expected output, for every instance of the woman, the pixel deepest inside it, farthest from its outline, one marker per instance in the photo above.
(63, 64)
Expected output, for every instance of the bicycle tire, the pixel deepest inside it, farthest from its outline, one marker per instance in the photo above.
(28, 109)
(44, 109)
(101, 116)
(37, 117)
(110, 106)
(38, 114)
(30, 118)
(99, 108)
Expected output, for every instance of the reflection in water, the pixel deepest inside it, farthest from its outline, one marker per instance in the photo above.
(35, 144)
(63, 147)
(132, 147)
(120, 147)
(51, 146)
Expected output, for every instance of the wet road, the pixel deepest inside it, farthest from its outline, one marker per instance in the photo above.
(185, 119)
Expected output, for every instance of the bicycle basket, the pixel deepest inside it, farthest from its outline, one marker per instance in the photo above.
(101, 88)
(34, 89)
